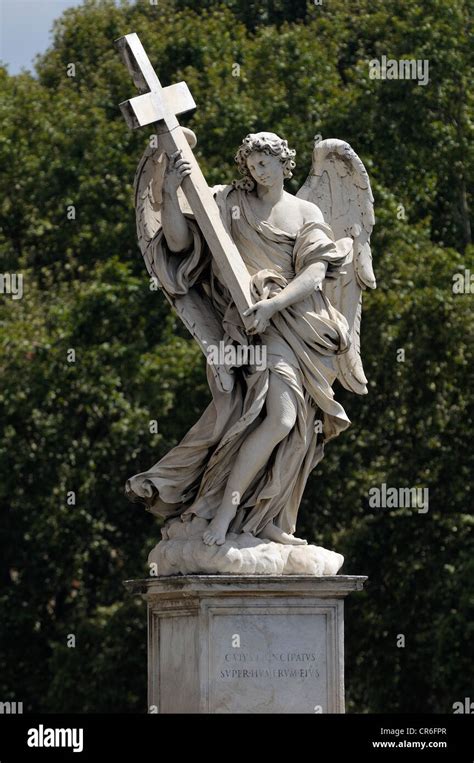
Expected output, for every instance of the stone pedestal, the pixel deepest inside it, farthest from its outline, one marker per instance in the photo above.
(246, 644)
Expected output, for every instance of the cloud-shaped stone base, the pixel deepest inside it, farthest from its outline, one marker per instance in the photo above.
(185, 552)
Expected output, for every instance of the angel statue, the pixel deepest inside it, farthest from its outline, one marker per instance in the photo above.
(231, 489)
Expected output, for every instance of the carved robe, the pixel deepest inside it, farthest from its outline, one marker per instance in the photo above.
(301, 342)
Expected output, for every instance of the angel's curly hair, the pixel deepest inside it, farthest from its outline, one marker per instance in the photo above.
(268, 143)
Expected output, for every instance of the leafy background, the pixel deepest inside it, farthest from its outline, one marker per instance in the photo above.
(84, 426)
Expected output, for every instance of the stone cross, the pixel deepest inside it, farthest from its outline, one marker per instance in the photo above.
(160, 105)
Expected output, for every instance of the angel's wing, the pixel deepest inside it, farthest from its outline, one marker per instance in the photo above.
(339, 185)
(194, 308)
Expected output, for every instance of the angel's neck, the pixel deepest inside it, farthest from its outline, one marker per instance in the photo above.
(270, 194)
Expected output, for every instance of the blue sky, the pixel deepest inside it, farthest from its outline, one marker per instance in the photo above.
(25, 27)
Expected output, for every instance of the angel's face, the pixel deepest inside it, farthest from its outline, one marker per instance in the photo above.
(265, 169)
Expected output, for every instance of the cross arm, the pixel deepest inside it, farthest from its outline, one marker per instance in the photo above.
(160, 105)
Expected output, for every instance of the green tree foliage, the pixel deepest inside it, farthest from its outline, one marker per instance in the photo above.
(67, 163)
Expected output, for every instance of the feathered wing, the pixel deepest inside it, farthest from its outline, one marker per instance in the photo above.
(194, 308)
(339, 185)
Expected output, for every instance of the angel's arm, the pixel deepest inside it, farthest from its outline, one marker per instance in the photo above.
(301, 286)
(311, 277)
(305, 283)
(175, 227)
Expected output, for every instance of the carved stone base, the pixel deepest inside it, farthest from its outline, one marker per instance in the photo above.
(246, 644)
(184, 551)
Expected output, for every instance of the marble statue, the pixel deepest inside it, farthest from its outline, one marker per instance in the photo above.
(270, 285)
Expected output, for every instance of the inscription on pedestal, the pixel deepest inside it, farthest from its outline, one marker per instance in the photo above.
(269, 660)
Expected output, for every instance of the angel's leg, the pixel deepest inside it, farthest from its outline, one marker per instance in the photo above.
(281, 411)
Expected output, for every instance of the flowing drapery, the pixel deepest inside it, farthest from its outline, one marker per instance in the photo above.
(300, 345)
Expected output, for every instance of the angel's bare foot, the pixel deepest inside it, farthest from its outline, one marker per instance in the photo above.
(271, 532)
(217, 529)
